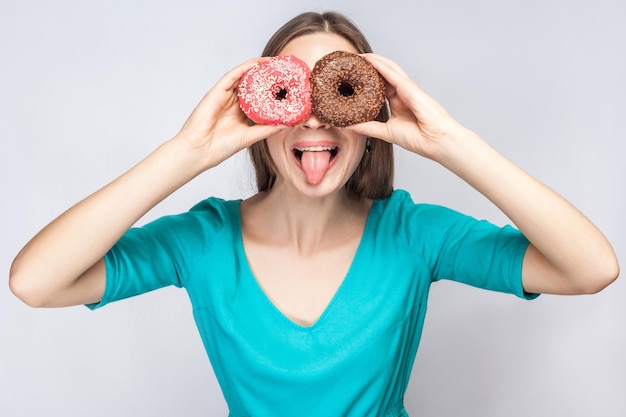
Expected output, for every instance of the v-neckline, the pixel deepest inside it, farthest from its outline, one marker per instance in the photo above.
(347, 279)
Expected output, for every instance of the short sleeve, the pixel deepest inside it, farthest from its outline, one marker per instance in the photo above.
(461, 248)
(160, 253)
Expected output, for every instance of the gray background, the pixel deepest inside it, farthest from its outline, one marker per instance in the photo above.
(90, 87)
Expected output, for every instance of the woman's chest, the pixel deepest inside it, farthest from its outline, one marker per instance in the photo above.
(378, 283)
(301, 286)
(372, 323)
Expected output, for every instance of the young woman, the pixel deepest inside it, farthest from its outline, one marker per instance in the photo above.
(310, 296)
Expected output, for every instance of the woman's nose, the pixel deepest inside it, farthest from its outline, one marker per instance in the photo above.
(314, 122)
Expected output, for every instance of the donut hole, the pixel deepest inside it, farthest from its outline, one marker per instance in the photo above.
(345, 89)
(280, 94)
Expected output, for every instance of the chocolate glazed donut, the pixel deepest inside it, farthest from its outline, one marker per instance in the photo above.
(346, 89)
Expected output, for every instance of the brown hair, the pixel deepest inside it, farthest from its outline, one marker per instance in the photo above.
(373, 178)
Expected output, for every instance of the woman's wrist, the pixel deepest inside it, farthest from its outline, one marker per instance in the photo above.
(189, 152)
(455, 147)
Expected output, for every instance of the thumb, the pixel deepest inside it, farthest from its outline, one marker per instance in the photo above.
(257, 133)
(374, 129)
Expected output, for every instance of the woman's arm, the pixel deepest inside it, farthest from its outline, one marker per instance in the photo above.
(567, 253)
(63, 264)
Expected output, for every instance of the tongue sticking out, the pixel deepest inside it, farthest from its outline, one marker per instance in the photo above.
(315, 164)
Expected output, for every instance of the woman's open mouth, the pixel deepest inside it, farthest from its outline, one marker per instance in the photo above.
(299, 151)
(315, 160)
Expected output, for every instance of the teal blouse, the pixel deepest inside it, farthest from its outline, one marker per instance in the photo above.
(357, 358)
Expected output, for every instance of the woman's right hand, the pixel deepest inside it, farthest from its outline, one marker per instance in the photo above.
(63, 264)
(217, 127)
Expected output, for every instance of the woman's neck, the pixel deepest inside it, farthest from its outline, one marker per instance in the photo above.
(284, 217)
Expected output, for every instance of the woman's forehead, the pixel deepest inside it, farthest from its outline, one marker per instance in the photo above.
(311, 47)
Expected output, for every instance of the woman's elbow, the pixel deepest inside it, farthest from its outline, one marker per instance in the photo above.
(41, 286)
(604, 275)
(590, 272)
(24, 293)
(25, 287)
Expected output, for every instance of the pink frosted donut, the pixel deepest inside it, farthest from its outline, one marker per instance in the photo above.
(276, 91)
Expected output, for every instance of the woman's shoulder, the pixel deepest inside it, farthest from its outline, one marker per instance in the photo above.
(212, 212)
(202, 219)
(400, 202)
(419, 225)
(215, 207)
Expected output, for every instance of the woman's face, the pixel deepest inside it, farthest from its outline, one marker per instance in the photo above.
(314, 157)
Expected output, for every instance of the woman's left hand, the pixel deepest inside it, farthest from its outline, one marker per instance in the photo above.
(567, 253)
(418, 123)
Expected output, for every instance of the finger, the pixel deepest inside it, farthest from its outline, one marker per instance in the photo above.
(391, 71)
(399, 83)
(374, 129)
(408, 90)
(230, 80)
(259, 132)
(222, 93)
(396, 104)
